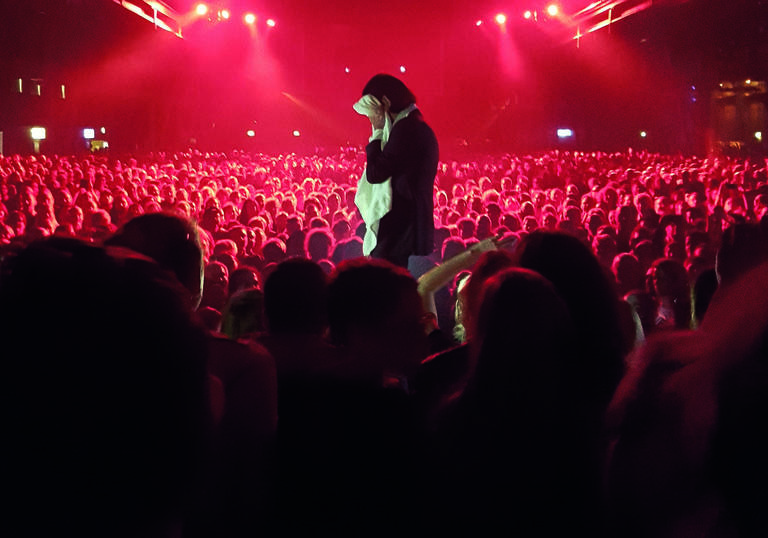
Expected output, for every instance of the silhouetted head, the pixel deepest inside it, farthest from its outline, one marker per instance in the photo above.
(375, 313)
(523, 343)
(627, 272)
(243, 278)
(243, 316)
(107, 414)
(318, 244)
(172, 241)
(396, 91)
(743, 246)
(592, 303)
(296, 298)
(470, 296)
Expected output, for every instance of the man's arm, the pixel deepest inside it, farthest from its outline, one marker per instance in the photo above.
(383, 164)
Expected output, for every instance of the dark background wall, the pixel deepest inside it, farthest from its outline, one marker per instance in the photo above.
(482, 88)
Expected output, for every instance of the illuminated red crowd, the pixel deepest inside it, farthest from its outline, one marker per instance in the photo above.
(277, 206)
(583, 352)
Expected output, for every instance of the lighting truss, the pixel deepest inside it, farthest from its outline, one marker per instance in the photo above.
(155, 11)
(603, 13)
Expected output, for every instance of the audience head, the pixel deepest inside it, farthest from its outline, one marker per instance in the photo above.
(375, 314)
(108, 413)
(242, 278)
(592, 303)
(470, 295)
(743, 246)
(243, 314)
(628, 273)
(522, 345)
(318, 244)
(296, 298)
(172, 241)
(273, 250)
(451, 247)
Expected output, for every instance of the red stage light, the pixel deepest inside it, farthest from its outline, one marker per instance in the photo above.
(346, 69)
(402, 69)
(501, 18)
(528, 14)
(225, 14)
(553, 10)
(296, 133)
(271, 23)
(479, 23)
(249, 18)
(201, 9)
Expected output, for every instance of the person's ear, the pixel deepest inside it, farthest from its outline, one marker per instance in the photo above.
(386, 102)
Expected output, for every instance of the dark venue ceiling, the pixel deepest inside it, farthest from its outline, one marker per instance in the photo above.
(485, 86)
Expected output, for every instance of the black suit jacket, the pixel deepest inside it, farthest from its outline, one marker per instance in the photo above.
(410, 159)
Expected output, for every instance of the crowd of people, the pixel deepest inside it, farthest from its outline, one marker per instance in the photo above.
(195, 346)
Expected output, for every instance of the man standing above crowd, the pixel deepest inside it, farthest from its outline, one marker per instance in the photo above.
(404, 150)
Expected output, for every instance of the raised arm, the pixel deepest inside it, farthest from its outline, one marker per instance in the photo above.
(439, 276)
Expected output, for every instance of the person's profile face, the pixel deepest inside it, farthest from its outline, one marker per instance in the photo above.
(250, 280)
(216, 274)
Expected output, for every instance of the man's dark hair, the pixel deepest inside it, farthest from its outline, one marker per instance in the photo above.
(397, 92)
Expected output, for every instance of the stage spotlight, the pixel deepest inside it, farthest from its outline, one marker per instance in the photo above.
(402, 69)
(759, 136)
(527, 15)
(249, 18)
(251, 133)
(479, 23)
(89, 134)
(225, 14)
(501, 19)
(37, 133)
(553, 10)
(271, 23)
(201, 9)
(564, 133)
(296, 133)
(346, 70)
(103, 130)
(643, 134)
